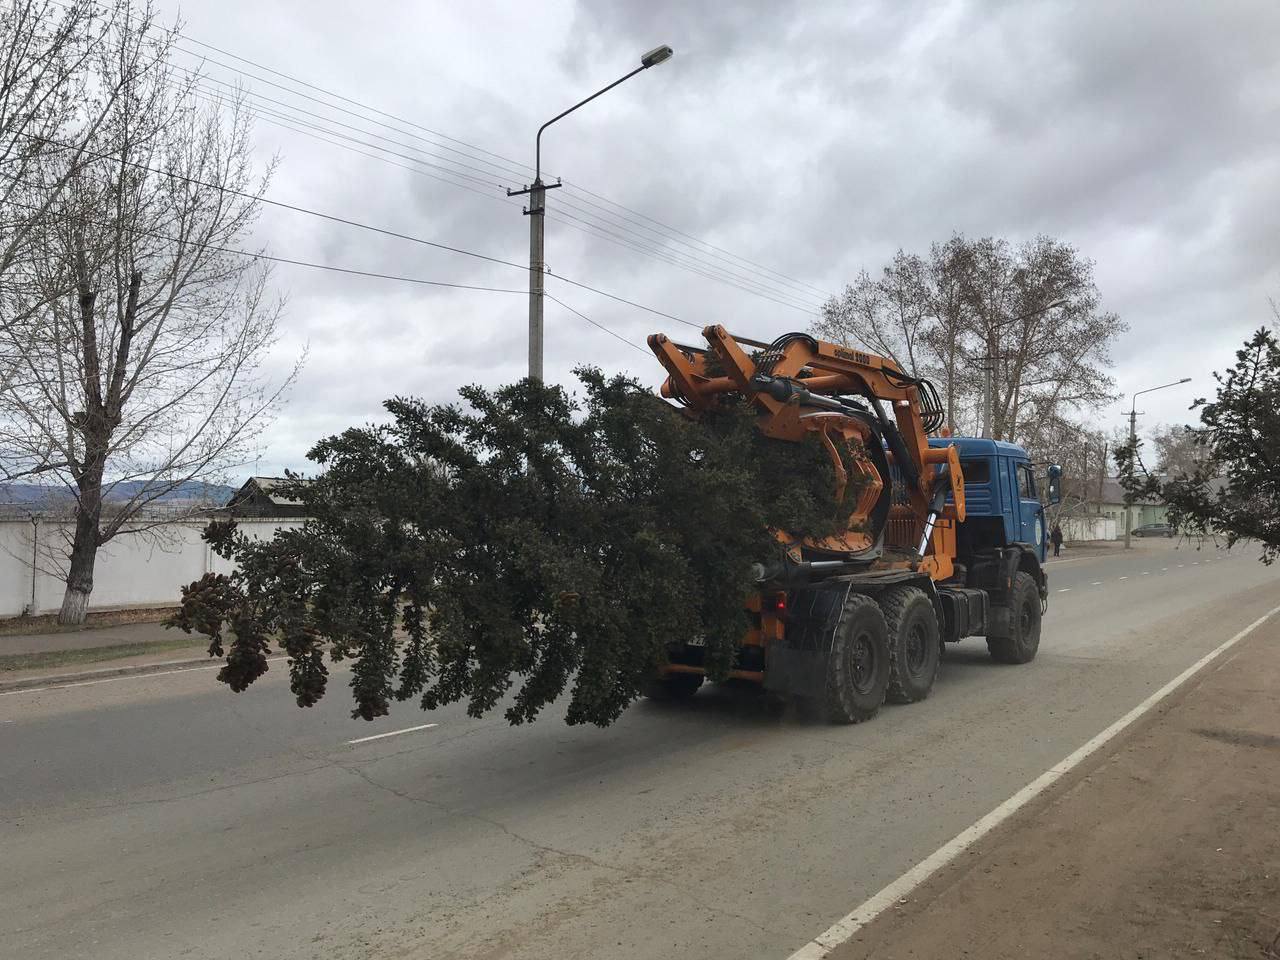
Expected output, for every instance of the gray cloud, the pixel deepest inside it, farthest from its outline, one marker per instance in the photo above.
(812, 139)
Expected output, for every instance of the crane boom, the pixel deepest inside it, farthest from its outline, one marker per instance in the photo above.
(800, 386)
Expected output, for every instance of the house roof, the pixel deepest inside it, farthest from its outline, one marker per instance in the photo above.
(264, 486)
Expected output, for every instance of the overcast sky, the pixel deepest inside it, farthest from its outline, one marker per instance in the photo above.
(805, 142)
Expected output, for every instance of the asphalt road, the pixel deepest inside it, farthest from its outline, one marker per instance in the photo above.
(164, 816)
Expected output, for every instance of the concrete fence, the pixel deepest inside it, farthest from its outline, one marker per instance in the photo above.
(134, 570)
(1088, 528)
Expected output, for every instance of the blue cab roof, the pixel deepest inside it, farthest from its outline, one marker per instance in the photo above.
(980, 447)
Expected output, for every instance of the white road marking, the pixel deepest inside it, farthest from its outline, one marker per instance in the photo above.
(394, 733)
(1065, 590)
(1162, 569)
(844, 928)
(1181, 565)
(1124, 578)
(1096, 583)
(1146, 573)
(1195, 563)
(127, 676)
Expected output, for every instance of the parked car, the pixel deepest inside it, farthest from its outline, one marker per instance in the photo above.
(1153, 530)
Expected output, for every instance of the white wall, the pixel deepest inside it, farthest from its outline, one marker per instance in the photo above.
(133, 570)
(1088, 528)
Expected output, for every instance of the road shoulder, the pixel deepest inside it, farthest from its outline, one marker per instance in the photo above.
(1161, 845)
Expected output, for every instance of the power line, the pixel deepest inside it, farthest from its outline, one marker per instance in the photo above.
(641, 245)
(365, 226)
(659, 255)
(573, 186)
(629, 303)
(356, 103)
(258, 255)
(197, 77)
(612, 333)
(293, 207)
(719, 253)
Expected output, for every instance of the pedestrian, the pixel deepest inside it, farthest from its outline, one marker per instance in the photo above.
(1056, 539)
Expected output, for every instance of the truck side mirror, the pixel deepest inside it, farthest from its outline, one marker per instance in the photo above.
(1055, 484)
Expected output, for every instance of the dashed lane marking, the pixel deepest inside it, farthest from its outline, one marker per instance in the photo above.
(393, 733)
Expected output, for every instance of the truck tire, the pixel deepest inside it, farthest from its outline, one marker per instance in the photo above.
(1024, 624)
(673, 686)
(915, 649)
(858, 667)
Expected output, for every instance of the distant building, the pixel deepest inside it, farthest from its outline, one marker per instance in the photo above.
(1111, 504)
(260, 497)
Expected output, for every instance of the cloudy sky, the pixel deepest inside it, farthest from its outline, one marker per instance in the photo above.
(790, 145)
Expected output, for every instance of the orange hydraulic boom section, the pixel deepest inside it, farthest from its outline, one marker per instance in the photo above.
(802, 386)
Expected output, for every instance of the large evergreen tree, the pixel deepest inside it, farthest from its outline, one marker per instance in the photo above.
(526, 543)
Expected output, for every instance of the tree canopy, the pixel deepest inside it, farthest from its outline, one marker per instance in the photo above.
(526, 542)
(1228, 482)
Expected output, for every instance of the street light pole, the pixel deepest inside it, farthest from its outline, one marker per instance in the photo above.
(536, 212)
(1133, 439)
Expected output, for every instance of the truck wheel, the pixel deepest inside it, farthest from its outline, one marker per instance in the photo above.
(1024, 624)
(858, 668)
(674, 686)
(914, 646)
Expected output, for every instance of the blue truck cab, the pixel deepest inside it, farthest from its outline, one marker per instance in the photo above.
(1002, 499)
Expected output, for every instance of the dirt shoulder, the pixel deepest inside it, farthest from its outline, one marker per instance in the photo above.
(1165, 845)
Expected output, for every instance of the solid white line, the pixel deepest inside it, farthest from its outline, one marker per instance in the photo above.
(843, 929)
(394, 733)
(127, 676)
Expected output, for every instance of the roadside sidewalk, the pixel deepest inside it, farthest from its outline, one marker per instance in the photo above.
(38, 658)
(1166, 844)
(45, 642)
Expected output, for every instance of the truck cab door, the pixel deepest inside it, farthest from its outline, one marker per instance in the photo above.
(1030, 512)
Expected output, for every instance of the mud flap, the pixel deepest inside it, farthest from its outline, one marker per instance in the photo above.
(798, 665)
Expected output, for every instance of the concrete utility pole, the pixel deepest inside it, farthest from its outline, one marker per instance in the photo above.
(537, 271)
(1133, 438)
(537, 209)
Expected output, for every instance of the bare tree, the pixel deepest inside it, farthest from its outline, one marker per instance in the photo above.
(1180, 450)
(971, 304)
(141, 332)
(1045, 360)
(47, 106)
(888, 313)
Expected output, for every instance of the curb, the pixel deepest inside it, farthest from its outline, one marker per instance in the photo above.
(87, 676)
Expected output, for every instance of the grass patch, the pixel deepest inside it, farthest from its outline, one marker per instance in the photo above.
(10, 663)
(48, 622)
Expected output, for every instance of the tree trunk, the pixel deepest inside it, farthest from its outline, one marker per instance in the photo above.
(84, 549)
(84, 554)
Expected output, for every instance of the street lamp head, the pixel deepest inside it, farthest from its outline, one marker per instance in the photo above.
(656, 56)
(1185, 380)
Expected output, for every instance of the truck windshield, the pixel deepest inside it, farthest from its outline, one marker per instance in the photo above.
(976, 471)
